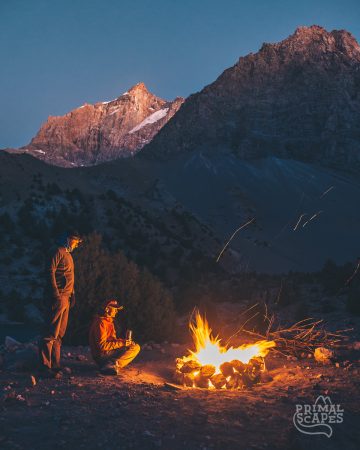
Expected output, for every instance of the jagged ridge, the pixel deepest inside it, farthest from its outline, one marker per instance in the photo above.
(95, 133)
(299, 98)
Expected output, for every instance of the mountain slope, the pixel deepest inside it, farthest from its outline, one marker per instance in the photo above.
(297, 99)
(226, 192)
(92, 134)
(257, 143)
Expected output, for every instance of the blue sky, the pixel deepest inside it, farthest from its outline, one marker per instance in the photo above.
(58, 54)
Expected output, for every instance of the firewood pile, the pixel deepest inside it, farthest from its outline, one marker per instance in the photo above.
(232, 375)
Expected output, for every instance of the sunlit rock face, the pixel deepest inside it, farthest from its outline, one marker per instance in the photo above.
(104, 131)
(299, 99)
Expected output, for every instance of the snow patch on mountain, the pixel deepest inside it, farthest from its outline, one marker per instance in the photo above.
(155, 117)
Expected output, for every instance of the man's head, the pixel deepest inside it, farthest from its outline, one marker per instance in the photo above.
(70, 240)
(111, 308)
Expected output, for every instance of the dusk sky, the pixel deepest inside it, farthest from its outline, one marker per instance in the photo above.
(57, 55)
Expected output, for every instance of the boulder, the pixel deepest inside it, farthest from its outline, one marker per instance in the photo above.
(11, 344)
(323, 355)
(25, 358)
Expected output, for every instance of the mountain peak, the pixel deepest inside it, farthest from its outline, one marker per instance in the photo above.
(297, 98)
(139, 88)
(318, 39)
(106, 130)
(311, 31)
(315, 40)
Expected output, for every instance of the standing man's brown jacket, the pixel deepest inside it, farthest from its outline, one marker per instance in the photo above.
(61, 271)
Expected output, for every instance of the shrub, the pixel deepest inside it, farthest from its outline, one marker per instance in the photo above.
(102, 275)
(333, 277)
(353, 299)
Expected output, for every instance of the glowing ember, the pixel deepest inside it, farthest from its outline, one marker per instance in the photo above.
(214, 365)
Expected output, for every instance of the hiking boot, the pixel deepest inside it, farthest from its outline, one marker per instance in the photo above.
(46, 372)
(108, 370)
(58, 373)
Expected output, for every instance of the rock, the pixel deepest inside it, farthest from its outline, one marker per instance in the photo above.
(33, 314)
(226, 369)
(234, 381)
(25, 358)
(323, 355)
(201, 382)
(207, 371)
(218, 380)
(14, 397)
(66, 370)
(238, 365)
(188, 379)
(11, 344)
(81, 358)
(190, 366)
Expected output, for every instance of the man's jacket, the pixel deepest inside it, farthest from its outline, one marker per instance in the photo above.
(102, 336)
(62, 273)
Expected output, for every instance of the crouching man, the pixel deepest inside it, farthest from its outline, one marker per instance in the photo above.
(110, 353)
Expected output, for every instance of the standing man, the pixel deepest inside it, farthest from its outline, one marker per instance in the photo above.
(62, 295)
(110, 353)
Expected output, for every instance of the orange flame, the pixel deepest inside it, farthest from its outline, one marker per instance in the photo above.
(208, 349)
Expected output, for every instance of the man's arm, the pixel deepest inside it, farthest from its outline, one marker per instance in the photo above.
(53, 266)
(105, 343)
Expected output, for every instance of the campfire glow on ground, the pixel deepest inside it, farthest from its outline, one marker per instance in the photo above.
(213, 365)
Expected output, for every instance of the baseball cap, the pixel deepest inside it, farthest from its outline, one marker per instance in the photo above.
(112, 304)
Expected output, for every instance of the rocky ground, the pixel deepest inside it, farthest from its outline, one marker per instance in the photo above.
(138, 410)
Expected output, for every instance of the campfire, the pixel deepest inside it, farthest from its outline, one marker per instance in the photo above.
(216, 366)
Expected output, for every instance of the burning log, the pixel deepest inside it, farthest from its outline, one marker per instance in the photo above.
(189, 379)
(202, 382)
(218, 381)
(247, 380)
(190, 366)
(227, 369)
(215, 366)
(207, 371)
(238, 365)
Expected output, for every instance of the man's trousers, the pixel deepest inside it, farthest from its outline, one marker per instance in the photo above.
(120, 357)
(50, 343)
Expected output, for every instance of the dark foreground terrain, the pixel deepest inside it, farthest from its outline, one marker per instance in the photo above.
(137, 410)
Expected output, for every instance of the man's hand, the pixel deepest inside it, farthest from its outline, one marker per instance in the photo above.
(72, 300)
(126, 342)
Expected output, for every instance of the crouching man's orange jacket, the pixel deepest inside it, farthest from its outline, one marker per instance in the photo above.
(102, 336)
